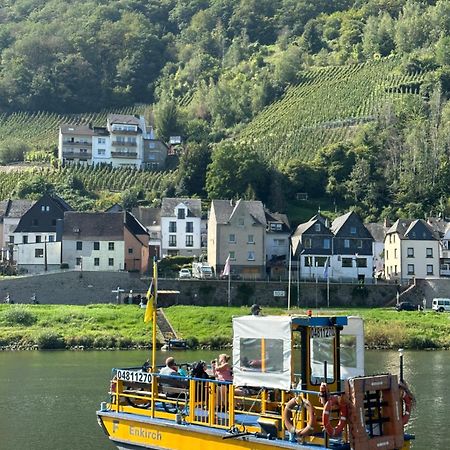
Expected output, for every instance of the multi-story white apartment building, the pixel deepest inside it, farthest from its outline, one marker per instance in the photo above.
(181, 227)
(411, 250)
(126, 141)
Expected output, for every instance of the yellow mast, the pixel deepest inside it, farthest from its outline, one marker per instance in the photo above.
(155, 303)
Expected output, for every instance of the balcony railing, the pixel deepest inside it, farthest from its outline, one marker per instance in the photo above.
(77, 154)
(123, 144)
(124, 154)
(79, 143)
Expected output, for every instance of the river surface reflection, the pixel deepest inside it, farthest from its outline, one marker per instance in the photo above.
(49, 399)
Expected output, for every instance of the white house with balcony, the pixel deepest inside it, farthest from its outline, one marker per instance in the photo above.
(181, 227)
(126, 141)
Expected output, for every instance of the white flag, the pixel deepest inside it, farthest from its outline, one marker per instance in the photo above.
(325, 270)
(226, 268)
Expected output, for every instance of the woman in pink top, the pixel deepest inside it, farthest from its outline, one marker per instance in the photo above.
(222, 372)
(222, 369)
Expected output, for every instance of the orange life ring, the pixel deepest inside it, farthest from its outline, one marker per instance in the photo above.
(309, 428)
(339, 428)
(407, 400)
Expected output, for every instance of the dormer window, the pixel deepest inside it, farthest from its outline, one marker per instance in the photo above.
(317, 227)
(45, 208)
(181, 213)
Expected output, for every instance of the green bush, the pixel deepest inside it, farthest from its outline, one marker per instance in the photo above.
(19, 315)
(49, 340)
(104, 342)
(192, 342)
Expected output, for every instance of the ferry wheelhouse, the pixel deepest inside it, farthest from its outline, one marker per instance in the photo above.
(297, 384)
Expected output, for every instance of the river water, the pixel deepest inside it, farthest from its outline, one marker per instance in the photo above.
(49, 399)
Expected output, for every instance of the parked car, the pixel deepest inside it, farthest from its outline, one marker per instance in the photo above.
(184, 273)
(406, 306)
(441, 304)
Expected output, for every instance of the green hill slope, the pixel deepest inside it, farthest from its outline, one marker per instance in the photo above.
(327, 107)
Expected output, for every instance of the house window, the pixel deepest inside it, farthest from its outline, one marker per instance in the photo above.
(38, 252)
(410, 269)
(352, 230)
(326, 244)
(308, 261)
(361, 262)
(189, 240)
(232, 256)
(189, 227)
(101, 151)
(308, 243)
(78, 261)
(347, 262)
(45, 208)
(11, 239)
(429, 252)
(130, 251)
(346, 243)
(110, 245)
(181, 213)
(395, 269)
(96, 245)
(232, 238)
(275, 226)
(429, 269)
(172, 227)
(79, 245)
(359, 243)
(96, 261)
(25, 239)
(38, 239)
(395, 253)
(251, 256)
(250, 239)
(172, 240)
(110, 261)
(387, 254)
(102, 140)
(317, 227)
(51, 238)
(410, 252)
(320, 261)
(241, 221)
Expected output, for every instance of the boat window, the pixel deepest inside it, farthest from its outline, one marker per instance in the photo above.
(322, 350)
(261, 355)
(348, 350)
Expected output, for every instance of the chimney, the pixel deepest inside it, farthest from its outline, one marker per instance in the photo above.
(387, 223)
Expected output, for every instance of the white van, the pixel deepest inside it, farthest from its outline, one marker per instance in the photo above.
(441, 304)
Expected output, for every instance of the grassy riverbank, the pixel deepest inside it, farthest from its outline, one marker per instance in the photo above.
(122, 326)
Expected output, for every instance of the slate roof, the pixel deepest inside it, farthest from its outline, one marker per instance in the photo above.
(224, 210)
(90, 226)
(404, 226)
(82, 130)
(278, 217)
(438, 225)
(126, 119)
(133, 224)
(377, 230)
(148, 216)
(15, 208)
(340, 221)
(168, 206)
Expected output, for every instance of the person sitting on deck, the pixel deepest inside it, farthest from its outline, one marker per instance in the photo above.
(170, 368)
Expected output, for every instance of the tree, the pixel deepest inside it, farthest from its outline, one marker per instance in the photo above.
(234, 169)
(166, 118)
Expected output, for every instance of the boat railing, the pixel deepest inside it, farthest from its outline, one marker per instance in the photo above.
(199, 401)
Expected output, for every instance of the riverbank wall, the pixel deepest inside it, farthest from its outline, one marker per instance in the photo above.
(78, 288)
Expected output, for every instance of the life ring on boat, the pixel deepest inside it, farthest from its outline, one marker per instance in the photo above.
(407, 399)
(294, 404)
(339, 428)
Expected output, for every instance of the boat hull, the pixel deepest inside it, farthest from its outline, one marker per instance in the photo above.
(133, 432)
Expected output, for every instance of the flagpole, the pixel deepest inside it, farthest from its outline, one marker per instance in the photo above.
(289, 278)
(229, 288)
(154, 312)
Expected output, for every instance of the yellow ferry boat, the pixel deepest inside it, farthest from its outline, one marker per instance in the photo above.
(311, 395)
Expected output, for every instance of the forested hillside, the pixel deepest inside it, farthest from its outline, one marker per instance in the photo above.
(344, 99)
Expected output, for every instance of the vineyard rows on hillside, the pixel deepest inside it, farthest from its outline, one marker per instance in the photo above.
(93, 179)
(40, 129)
(326, 107)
